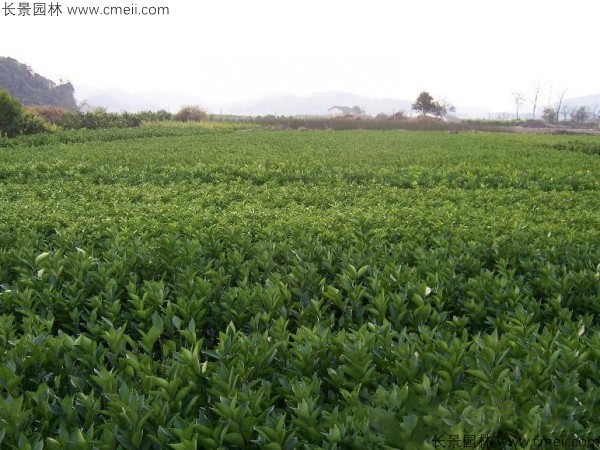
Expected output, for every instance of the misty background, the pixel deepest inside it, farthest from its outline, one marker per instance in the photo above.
(274, 57)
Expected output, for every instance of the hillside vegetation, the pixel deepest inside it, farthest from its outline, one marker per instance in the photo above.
(33, 89)
(213, 288)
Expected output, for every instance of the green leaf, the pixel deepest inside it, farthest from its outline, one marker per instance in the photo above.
(479, 374)
(41, 257)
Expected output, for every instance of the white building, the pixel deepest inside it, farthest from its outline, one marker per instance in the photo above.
(343, 111)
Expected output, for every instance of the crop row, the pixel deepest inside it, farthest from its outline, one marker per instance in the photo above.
(323, 307)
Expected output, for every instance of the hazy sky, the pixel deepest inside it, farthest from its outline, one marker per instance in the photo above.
(469, 52)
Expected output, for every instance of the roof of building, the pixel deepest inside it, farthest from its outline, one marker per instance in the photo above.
(344, 109)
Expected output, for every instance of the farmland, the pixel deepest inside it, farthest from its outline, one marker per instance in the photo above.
(187, 287)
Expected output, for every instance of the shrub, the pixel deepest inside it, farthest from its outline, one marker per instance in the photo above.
(10, 114)
(191, 114)
(161, 115)
(31, 123)
(51, 114)
(99, 118)
(400, 115)
(16, 120)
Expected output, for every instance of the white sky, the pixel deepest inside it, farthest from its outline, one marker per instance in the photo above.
(467, 51)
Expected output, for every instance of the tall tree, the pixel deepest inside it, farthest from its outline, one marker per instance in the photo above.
(519, 99)
(425, 104)
(534, 98)
(560, 100)
(565, 111)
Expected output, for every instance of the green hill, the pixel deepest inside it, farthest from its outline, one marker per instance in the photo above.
(33, 89)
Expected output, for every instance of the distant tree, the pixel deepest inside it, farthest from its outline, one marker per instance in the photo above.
(440, 111)
(443, 108)
(580, 115)
(451, 109)
(560, 100)
(191, 114)
(519, 98)
(565, 111)
(382, 116)
(549, 115)
(534, 98)
(425, 104)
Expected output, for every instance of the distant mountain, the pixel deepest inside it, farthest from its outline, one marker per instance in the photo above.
(317, 104)
(33, 89)
(117, 100)
(314, 104)
(114, 99)
(591, 102)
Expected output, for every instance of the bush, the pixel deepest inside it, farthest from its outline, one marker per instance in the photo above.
(32, 123)
(99, 118)
(10, 114)
(191, 114)
(400, 115)
(51, 114)
(16, 120)
(161, 115)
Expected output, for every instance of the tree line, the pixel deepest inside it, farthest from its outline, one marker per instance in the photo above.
(17, 119)
(554, 111)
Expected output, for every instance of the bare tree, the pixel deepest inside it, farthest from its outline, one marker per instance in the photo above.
(536, 94)
(519, 99)
(566, 110)
(445, 108)
(556, 112)
(550, 94)
(560, 100)
(562, 96)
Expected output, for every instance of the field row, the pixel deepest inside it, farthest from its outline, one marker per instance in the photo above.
(288, 290)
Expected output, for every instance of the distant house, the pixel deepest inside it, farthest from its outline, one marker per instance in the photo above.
(343, 111)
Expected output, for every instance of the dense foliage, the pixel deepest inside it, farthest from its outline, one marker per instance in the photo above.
(98, 119)
(10, 114)
(15, 120)
(191, 113)
(426, 105)
(203, 289)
